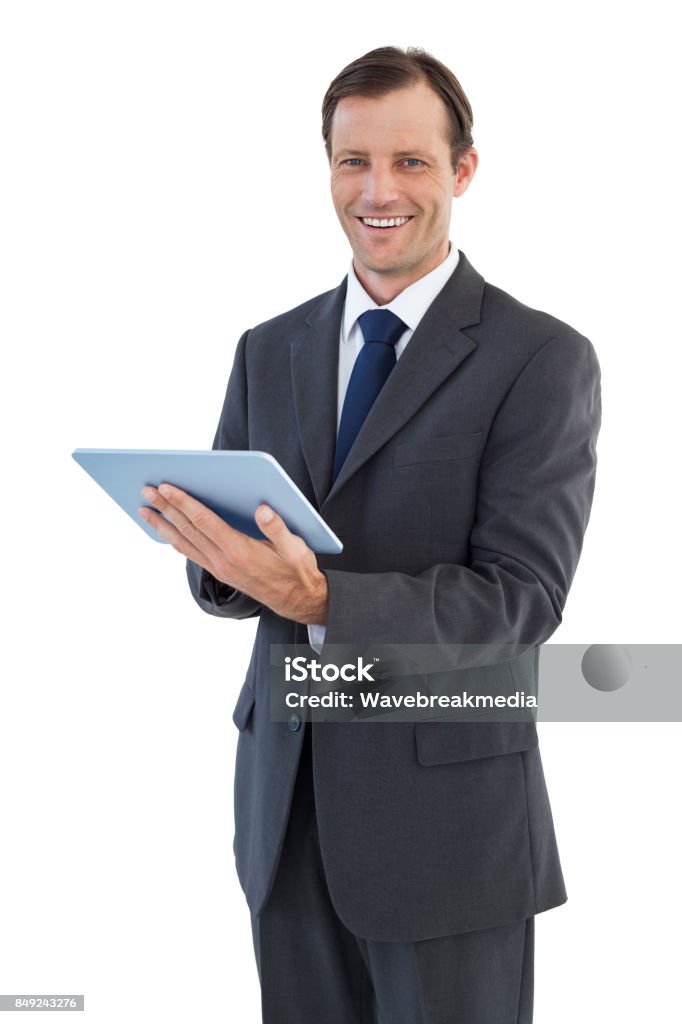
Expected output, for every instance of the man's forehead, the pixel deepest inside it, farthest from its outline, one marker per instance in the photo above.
(399, 118)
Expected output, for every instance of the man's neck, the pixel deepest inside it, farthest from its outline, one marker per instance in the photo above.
(383, 288)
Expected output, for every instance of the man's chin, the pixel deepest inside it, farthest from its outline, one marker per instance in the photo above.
(386, 266)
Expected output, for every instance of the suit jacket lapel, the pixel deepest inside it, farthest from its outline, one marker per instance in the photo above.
(314, 370)
(435, 350)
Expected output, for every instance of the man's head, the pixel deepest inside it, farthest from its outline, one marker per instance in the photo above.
(397, 129)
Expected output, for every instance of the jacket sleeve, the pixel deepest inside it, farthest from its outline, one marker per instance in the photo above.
(535, 488)
(211, 594)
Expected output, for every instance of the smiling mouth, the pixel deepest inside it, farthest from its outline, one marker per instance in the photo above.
(384, 223)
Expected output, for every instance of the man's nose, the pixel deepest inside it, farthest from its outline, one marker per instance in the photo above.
(380, 187)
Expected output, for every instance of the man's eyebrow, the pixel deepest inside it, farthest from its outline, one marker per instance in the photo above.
(416, 152)
(344, 154)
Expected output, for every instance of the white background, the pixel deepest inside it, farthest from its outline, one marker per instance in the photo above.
(164, 187)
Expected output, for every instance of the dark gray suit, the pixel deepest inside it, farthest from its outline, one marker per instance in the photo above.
(462, 507)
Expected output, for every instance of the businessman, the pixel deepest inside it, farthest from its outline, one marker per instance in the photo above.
(446, 432)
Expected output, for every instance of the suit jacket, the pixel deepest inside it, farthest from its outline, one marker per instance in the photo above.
(462, 507)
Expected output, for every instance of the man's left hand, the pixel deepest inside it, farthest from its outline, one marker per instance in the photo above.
(280, 572)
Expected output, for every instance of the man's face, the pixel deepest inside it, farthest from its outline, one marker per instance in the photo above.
(390, 161)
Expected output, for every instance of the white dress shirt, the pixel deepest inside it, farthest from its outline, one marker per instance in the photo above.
(410, 305)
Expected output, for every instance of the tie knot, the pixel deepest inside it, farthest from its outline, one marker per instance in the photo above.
(381, 325)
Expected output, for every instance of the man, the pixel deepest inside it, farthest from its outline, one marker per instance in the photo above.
(446, 432)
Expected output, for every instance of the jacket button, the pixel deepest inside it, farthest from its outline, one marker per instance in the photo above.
(294, 722)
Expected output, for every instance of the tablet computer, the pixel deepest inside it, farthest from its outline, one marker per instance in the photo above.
(232, 484)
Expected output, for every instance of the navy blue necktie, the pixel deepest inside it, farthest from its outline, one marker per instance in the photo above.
(381, 330)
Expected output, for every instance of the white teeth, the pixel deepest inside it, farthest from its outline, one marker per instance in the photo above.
(390, 223)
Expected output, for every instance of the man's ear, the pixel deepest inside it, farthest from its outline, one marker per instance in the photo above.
(466, 169)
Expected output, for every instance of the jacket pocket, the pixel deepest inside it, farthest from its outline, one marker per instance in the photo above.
(438, 449)
(243, 707)
(448, 742)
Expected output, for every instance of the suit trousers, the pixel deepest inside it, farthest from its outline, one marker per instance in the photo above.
(313, 970)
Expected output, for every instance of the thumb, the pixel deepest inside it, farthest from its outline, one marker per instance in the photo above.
(287, 544)
(272, 525)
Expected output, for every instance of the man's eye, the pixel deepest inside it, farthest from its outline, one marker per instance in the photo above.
(353, 162)
(412, 161)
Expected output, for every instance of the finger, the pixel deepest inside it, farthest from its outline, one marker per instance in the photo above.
(286, 543)
(169, 533)
(201, 527)
(197, 513)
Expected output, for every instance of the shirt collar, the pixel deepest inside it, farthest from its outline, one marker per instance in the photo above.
(412, 302)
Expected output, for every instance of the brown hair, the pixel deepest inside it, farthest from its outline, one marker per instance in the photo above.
(387, 68)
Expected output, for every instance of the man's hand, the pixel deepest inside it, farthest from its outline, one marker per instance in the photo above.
(280, 572)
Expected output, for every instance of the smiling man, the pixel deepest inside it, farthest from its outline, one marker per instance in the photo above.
(446, 432)
(392, 183)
